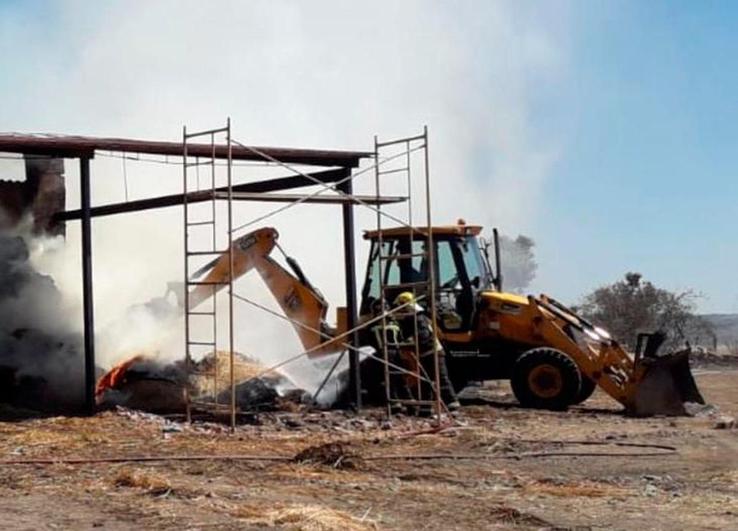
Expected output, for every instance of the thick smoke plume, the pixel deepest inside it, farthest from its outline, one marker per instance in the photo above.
(320, 75)
(40, 352)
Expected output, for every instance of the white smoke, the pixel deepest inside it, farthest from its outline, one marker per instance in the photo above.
(518, 263)
(319, 74)
(40, 351)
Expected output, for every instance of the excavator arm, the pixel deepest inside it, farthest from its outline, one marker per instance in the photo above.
(299, 300)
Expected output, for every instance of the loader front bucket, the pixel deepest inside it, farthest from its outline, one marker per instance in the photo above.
(665, 386)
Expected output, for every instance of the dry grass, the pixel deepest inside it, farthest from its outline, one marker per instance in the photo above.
(586, 489)
(512, 517)
(303, 518)
(152, 483)
(695, 487)
(244, 368)
(334, 454)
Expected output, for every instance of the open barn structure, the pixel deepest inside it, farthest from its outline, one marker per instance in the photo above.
(335, 170)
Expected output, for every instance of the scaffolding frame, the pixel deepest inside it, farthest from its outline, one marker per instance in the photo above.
(408, 145)
(212, 251)
(342, 194)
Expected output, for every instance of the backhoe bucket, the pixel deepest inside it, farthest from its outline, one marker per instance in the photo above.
(666, 385)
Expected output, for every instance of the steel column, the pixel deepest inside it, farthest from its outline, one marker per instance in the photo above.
(87, 299)
(349, 252)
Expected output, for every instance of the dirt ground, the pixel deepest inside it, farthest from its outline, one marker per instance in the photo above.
(511, 470)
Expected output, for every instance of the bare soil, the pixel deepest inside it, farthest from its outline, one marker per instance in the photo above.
(508, 471)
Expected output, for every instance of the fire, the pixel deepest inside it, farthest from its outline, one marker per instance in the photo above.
(115, 376)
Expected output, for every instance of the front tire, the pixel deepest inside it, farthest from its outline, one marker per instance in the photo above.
(546, 378)
(585, 391)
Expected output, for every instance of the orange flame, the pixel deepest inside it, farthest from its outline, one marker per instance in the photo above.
(115, 376)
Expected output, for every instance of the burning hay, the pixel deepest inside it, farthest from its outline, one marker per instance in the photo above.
(212, 374)
(142, 383)
(147, 384)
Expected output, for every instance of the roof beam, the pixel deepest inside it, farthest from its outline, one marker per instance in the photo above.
(75, 146)
(258, 187)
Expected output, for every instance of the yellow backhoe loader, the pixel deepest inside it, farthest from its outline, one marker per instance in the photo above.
(553, 357)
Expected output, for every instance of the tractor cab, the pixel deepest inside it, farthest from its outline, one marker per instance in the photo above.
(399, 261)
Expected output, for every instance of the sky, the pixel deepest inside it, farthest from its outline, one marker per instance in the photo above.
(604, 130)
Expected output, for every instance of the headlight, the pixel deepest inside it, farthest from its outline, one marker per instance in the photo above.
(592, 334)
(603, 333)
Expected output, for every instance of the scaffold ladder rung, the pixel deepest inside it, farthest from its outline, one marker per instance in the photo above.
(196, 223)
(205, 253)
(400, 141)
(403, 285)
(396, 170)
(208, 132)
(412, 402)
(405, 256)
(209, 406)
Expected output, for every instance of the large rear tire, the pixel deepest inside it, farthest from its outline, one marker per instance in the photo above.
(546, 378)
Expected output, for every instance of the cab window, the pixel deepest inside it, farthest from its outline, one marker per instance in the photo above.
(447, 274)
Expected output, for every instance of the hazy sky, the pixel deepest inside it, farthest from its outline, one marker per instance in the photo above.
(606, 131)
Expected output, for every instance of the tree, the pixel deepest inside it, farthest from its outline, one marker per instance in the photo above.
(634, 305)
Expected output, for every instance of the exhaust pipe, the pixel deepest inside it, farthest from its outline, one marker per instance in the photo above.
(498, 264)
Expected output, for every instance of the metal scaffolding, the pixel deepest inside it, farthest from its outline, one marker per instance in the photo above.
(387, 156)
(206, 218)
(407, 371)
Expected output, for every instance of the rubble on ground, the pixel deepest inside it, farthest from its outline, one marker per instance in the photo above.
(148, 384)
(293, 470)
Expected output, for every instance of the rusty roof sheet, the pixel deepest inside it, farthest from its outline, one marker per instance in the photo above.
(85, 146)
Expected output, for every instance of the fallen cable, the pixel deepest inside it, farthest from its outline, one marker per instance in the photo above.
(664, 450)
(141, 459)
(517, 456)
(666, 447)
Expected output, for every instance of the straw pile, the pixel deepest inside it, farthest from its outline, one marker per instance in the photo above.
(305, 518)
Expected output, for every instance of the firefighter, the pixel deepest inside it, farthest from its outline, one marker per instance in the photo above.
(389, 334)
(411, 318)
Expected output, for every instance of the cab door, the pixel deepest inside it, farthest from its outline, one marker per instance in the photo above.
(456, 295)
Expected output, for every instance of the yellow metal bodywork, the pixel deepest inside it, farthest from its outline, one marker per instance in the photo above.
(443, 230)
(527, 321)
(301, 303)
